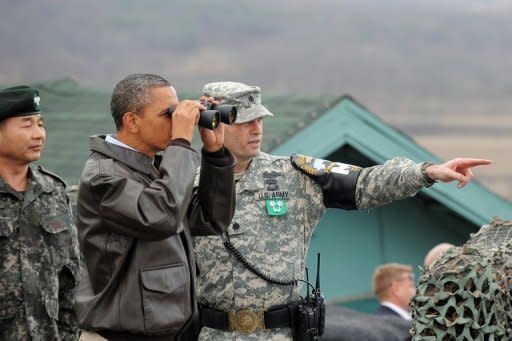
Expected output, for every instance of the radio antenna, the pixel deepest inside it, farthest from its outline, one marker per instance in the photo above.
(307, 281)
(317, 285)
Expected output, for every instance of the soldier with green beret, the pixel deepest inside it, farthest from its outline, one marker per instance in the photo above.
(39, 257)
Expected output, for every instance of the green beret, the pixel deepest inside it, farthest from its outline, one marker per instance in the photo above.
(19, 101)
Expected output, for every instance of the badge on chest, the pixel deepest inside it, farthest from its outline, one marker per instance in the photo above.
(274, 198)
(275, 207)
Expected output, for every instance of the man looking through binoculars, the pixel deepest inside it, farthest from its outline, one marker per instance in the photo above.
(137, 211)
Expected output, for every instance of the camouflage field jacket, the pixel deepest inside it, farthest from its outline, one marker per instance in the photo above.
(277, 209)
(39, 261)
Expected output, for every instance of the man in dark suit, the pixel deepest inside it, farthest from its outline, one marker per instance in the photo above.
(393, 284)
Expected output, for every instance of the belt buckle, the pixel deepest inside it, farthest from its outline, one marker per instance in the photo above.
(246, 321)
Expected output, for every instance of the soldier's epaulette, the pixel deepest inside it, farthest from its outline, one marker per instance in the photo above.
(316, 167)
(51, 174)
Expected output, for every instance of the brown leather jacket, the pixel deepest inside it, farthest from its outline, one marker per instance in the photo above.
(134, 226)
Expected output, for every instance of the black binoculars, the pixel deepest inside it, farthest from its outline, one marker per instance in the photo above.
(214, 114)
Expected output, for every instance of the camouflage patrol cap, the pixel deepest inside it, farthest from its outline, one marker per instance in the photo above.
(246, 98)
(19, 101)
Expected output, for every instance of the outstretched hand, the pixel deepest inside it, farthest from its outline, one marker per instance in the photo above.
(458, 169)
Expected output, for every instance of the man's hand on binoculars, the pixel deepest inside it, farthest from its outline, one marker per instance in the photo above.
(204, 99)
(184, 118)
(213, 140)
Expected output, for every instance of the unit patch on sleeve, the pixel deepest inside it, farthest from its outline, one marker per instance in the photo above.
(317, 167)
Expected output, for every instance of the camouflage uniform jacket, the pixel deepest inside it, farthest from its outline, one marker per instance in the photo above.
(39, 260)
(278, 245)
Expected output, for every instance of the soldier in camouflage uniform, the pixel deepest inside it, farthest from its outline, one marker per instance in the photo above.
(279, 202)
(39, 259)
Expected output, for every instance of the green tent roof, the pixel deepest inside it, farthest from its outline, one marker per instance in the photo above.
(347, 122)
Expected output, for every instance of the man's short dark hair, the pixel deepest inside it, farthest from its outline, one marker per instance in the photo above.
(132, 94)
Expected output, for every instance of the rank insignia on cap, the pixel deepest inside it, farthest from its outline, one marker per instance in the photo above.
(37, 102)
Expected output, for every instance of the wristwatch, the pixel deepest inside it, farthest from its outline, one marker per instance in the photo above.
(427, 177)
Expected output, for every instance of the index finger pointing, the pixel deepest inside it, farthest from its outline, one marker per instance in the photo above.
(473, 162)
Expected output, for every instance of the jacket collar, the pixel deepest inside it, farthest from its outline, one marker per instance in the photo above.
(135, 160)
(403, 313)
(37, 183)
(252, 178)
(36, 178)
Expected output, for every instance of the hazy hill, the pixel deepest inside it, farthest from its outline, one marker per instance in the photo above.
(370, 48)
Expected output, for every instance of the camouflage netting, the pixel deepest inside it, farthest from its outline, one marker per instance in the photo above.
(465, 294)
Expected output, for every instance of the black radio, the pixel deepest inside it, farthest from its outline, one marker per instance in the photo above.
(310, 312)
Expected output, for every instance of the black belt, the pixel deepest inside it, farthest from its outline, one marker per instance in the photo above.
(247, 321)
